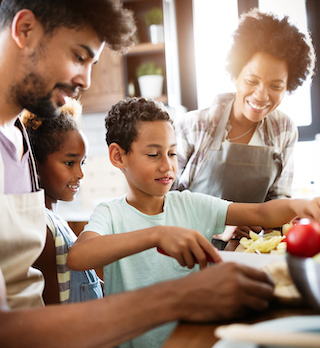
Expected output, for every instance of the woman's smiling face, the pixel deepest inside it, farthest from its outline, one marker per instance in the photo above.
(261, 86)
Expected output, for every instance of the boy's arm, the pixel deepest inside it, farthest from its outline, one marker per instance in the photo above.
(273, 213)
(93, 251)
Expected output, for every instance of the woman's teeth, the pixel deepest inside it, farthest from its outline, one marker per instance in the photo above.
(258, 107)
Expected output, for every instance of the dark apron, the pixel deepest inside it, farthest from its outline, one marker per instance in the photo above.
(237, 172)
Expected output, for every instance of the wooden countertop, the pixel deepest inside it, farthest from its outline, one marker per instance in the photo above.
(195, 335)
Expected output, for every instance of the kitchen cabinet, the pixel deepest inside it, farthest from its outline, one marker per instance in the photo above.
(163, 54)
(112, 75)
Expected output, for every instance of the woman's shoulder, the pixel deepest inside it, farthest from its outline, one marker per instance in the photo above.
(281, 120)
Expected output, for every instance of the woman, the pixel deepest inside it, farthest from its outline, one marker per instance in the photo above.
(241, 148)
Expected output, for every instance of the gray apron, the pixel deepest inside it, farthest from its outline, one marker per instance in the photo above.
(237, 172)
(22, 238)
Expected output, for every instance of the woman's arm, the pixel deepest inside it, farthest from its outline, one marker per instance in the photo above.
(273, 213)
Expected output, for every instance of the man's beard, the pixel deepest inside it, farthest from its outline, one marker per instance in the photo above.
(30, 95)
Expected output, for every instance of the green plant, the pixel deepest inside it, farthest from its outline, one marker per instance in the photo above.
(148, 68)
(153, 16)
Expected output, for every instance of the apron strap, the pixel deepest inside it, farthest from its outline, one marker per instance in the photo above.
(220, 131)
(1, 175)
(32, 163)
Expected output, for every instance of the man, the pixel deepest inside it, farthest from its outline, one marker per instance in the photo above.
(47, 49)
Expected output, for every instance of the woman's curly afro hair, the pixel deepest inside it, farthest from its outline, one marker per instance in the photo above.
(264, 32)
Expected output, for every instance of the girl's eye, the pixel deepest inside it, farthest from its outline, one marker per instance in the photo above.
(69, 163)
(172, 154)
(83, 162)
(152, 155)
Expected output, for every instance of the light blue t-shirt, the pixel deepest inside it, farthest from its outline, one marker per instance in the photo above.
(204, 213)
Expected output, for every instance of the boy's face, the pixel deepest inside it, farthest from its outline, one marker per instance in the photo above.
(61, 173)
(151, 165)
(55, 68)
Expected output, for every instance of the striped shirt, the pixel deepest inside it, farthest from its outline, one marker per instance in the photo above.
(55, 224)
(195, 131)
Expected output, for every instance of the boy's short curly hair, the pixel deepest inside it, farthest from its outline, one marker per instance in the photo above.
(123, 118)
(264, 32)
(107, 18)
(47, 134)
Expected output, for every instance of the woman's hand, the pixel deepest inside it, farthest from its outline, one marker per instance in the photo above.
(186, 246)
(237, 232)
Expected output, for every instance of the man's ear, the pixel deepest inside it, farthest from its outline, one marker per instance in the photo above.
(23, 25)
(116, 155)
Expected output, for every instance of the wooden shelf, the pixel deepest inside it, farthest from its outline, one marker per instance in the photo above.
(146, 48)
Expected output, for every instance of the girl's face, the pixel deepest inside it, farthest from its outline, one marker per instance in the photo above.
(151, 165)
(61, 173)
(261, 86)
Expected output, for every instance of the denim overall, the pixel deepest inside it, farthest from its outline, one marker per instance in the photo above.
(84, 285)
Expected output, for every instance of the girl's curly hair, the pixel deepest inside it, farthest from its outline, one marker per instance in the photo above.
(264, 32)
(121, 121)
(47, 134)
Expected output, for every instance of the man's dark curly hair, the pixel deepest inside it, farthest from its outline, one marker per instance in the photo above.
(48, 134)
(123, 118)
(264, 32)
(107, 18)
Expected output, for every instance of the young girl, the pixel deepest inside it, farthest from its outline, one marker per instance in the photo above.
(60, 150)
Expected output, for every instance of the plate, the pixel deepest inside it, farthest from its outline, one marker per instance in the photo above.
(310, 324)
(276, 266)
(250, 259)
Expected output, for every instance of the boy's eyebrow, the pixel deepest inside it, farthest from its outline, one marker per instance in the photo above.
(159, 146)
(72, 155)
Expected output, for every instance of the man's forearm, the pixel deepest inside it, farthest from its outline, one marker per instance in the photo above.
(107, 322)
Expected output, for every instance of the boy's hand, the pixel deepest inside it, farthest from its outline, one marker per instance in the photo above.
(187, 246)
(209, 258)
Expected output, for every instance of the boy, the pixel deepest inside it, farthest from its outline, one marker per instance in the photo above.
(142, 145)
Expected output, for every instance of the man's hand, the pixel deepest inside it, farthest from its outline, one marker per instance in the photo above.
(225, 291)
